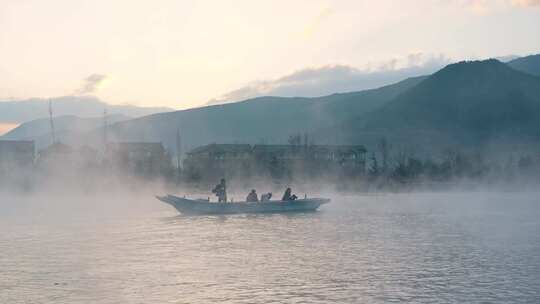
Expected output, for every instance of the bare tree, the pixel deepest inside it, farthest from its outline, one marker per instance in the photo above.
(295, 140)
(374, 168)
(384, 149)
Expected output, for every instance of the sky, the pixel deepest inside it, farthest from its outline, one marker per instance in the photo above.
(184, 54)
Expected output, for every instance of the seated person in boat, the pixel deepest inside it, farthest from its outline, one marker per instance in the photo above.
(220, 190)
(252, 196)
(287, 195)
(266, 197)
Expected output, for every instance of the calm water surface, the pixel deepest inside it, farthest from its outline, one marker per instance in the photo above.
(420, 248)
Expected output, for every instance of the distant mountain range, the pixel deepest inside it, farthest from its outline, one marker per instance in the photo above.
(263, 119)
(66, 128)
(467, 103)
(20, 111)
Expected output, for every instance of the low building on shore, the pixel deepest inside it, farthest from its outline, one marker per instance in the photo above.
(201, 162)
(62, 157)
(244, 160)
(55, 155)
(16, 156)
(139, 158)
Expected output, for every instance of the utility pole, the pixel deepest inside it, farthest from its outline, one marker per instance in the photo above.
(178, 152)
(306, 154)
(51, 121)
(105, 123)
(105, 139)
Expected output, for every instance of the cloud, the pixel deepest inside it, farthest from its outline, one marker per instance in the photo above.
(526, 3)
(331, 79)
(507, 58)
(91, 84)
(483, 7)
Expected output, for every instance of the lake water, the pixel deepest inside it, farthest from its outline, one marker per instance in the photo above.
(419, 248)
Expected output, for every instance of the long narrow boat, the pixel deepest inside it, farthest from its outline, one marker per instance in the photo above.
(189, 206)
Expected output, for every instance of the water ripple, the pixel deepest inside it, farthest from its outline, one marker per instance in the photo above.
(429, 248)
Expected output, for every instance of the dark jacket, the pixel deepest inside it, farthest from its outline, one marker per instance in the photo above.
(221, 192)
(286, 195)
(252, 197)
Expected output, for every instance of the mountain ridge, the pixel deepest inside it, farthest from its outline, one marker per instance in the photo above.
(464, 103)
(21, 111)
(257, 120)
(39, 131)
(528, 64)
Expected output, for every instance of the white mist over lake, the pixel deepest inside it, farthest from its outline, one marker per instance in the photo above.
(421, 248)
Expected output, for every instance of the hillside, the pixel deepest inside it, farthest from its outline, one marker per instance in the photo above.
(466, 102)
(528, 64)
(263, 119)
(82, 106)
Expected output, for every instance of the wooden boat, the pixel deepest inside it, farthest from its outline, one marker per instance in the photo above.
(190, 206)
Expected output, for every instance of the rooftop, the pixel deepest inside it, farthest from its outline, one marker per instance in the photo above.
(136, 146)
(222, 148)
(246, 148)
(57, 147)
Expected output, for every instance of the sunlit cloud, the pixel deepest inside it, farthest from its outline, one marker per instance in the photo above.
(324, 80)
(526, 3)
(483, 7)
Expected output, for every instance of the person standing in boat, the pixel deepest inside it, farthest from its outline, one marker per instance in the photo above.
(252, 197)
(220, 190)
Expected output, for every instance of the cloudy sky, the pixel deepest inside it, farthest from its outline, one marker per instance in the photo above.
(186, 53)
